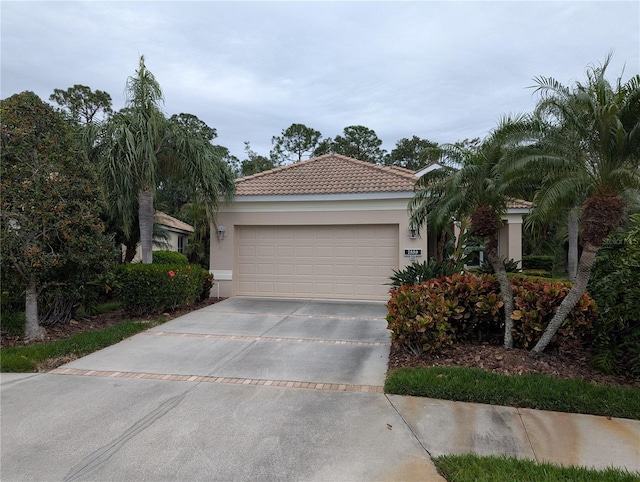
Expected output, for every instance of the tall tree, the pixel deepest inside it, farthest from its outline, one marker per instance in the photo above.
(296, 141)
(255, 163)
(325, 146)
(414, 153)
(141, 144)
(360, 143)
(470, 184)
(82, 104)
(605, 119)
(50, 230)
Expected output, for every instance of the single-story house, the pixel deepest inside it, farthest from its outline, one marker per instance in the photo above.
(174, 237)
(329, 227)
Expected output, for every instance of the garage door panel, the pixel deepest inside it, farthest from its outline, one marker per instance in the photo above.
(263, 251)
(344, 251)
(264, 287)
(324, 252)
(304, 270)
(304, 252)
(324, 270)
(344, 289)
(285, 269)
(265, 233)
(265, 269)
(246, 269)
(316, 261)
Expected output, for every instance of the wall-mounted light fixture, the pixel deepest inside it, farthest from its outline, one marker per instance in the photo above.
(413, 231)
(221, 231)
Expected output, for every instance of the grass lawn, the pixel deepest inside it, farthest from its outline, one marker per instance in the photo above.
(529, 390)
(474, 468)
(26, 358)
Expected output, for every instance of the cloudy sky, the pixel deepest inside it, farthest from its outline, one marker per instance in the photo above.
(444, 71)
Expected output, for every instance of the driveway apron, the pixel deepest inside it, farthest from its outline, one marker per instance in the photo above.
(245, 389)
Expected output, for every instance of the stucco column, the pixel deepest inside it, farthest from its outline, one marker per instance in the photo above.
(515, 239)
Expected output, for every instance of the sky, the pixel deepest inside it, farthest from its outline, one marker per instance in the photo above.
(443, 71)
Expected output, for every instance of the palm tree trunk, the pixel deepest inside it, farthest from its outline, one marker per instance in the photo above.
(491, 249)
(572, 259)
(32, 330)
(570, 301)
(145, 219)
(441, 242)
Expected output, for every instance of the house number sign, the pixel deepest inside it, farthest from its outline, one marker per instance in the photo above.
(413, 252)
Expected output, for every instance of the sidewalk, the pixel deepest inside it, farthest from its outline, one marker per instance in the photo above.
(444, 427)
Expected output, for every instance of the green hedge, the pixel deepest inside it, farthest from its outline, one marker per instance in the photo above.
(169, 257)
(146, 289)
(433, 315)
(542, 262)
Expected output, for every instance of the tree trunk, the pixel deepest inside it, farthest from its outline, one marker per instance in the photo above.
(441, 242)
(130, 253)
(145, 219)
(61, 311)
(32, 330)
(570, 301)
(491, 249)
(572, 259)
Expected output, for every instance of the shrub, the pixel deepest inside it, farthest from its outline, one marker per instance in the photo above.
(12, 322)
(537, 301)
(145, 289)
(169, 257)
(615, 286)
(534, 261)
(416, 273)
(510, 265)
(433, 315)
(206, 286)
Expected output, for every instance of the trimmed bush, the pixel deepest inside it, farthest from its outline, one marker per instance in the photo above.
(534, 261)
(146, 289)
(433, 315)
(169, 257)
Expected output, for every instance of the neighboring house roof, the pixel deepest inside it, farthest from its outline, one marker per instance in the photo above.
(172, 223)
(519, 204)
(328, 174)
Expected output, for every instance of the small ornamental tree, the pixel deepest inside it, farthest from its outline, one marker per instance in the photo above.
(49, 226)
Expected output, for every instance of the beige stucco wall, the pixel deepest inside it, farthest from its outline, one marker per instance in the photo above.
(300, 213)
(245, 212)
(510, 241)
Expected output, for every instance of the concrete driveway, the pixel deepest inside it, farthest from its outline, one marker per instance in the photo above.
(246, 389)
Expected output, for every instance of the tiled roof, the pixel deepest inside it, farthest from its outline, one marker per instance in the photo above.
(166, 220)
(328, 174)
(519, 204)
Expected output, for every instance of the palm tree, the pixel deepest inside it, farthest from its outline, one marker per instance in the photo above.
(600, 125)
(470, 185)
(141, 144)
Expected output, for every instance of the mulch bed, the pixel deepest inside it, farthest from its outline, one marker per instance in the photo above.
(572, 362)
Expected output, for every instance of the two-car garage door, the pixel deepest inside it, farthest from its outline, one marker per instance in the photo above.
(348, 262)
